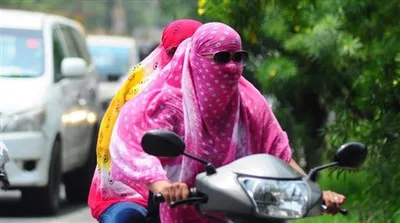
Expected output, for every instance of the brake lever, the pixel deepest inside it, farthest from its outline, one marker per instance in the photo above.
(188, 201)
(344, 212)
(159, 198)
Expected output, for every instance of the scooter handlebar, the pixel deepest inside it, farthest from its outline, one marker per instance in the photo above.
(159, 198)
(341, 211)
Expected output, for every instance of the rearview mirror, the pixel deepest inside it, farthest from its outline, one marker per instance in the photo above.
(351, 155)
(162, 143)
(73, 67)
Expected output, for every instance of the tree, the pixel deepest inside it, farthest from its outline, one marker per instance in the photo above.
(321, 57)
(87, 12)
(177, 9)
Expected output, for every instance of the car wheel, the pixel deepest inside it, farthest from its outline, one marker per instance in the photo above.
(46, 200)
(77, 182)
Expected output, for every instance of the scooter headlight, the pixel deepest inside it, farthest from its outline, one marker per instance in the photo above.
(285, 199)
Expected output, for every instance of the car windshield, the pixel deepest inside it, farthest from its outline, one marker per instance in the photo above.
(21, 53)
(111, 60)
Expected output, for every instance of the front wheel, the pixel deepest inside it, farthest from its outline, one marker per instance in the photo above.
(46, 200)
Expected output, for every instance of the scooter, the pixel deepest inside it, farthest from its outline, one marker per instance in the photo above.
(256, 188)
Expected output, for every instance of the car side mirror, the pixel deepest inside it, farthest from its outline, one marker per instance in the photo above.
(73, 67)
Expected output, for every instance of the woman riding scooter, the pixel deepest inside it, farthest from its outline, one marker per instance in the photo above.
(201, 96)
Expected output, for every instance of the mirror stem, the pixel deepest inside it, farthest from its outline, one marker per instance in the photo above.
(210, 169)
(195, 158)
(312, 175)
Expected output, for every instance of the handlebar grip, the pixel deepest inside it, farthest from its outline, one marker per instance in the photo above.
(159, 198)
(341, 211)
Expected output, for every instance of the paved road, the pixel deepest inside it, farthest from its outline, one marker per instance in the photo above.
(12, 212)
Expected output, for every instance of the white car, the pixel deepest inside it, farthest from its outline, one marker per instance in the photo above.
(48, 107)
(113, 56)
(4, 158)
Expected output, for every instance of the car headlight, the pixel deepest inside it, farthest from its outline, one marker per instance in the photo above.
(277, 198)
(27, 121)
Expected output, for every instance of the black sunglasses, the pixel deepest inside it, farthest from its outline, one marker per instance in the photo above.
(225, 56)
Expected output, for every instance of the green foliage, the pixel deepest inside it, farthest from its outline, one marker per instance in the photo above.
(95, 13)
(39, 5)
(87, 12)
(185, 9)
(319, 57)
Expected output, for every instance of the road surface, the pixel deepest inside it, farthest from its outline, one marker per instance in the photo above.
(12, 212)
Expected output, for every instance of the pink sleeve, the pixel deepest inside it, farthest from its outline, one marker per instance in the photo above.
(129, 163)
(276, 141)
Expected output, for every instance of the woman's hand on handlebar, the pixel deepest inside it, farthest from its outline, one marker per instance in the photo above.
(170, 191)
(332, 201)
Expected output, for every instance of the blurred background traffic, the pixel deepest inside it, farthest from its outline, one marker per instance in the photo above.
(331, 70)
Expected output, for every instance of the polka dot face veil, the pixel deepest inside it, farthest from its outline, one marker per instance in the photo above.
(215, 84)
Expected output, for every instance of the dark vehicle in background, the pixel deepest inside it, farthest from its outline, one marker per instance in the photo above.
(113, 56)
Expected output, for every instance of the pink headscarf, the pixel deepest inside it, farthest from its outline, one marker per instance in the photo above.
(174, 34)
(224, 118)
